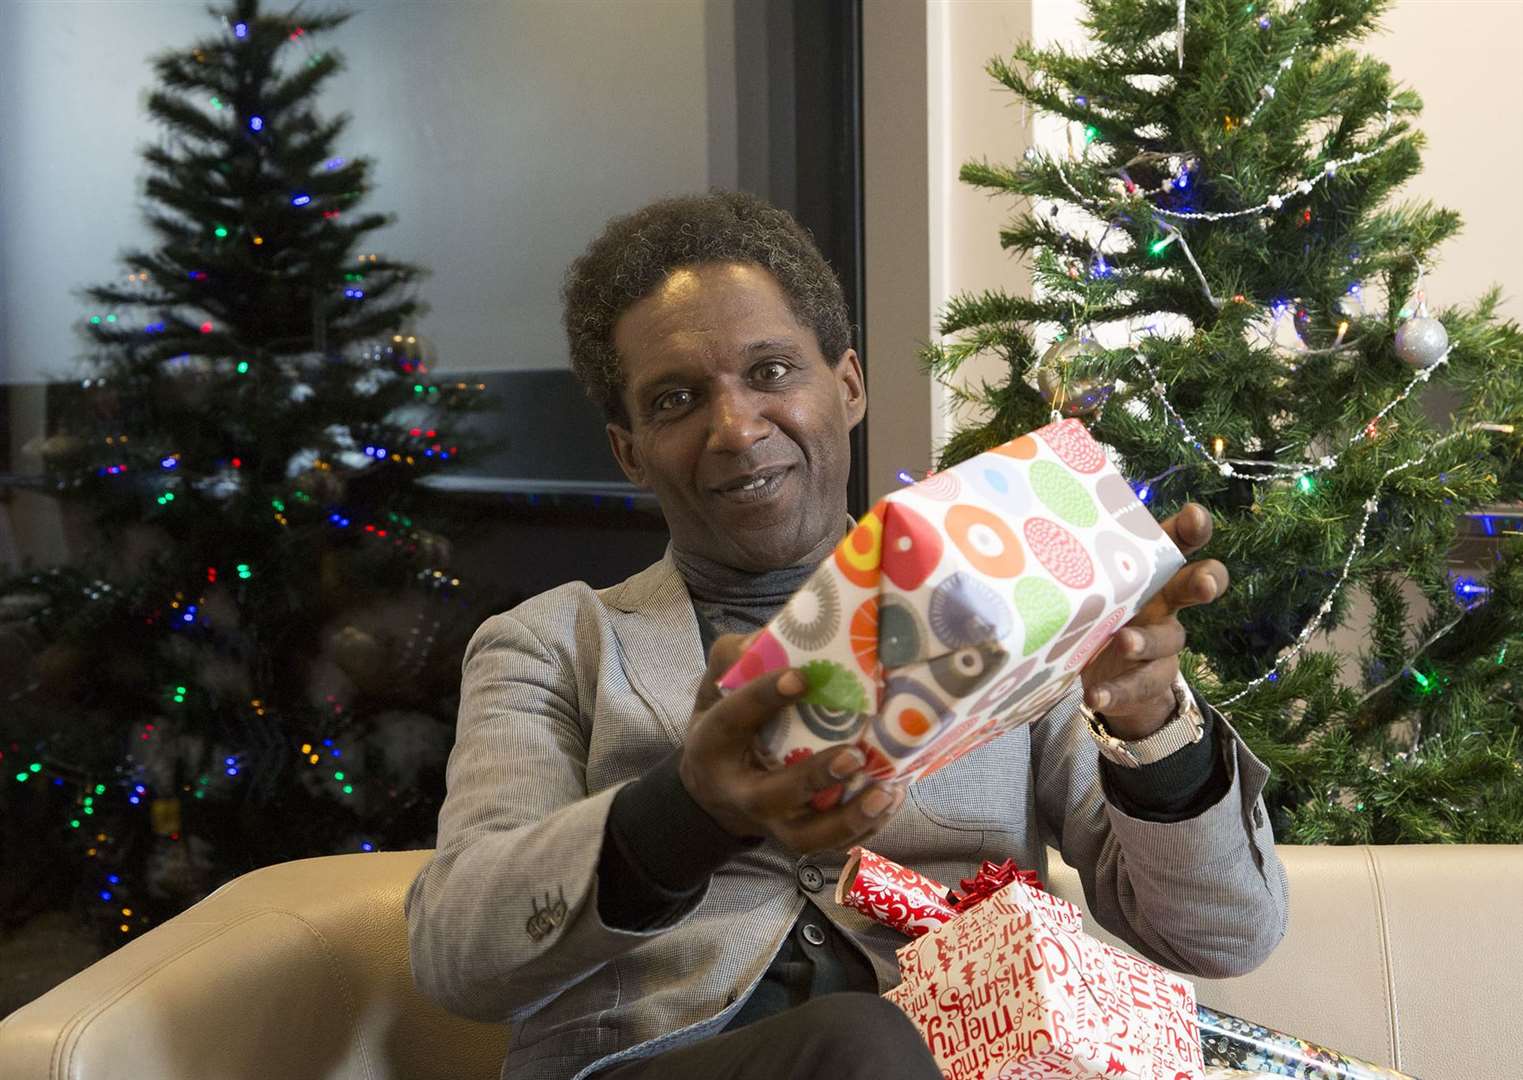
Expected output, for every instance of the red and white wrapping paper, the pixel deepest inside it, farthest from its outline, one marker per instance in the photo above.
(962, 606)
(1013, 989)
(891, 894)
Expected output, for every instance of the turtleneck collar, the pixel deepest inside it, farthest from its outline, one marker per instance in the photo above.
(739, 601)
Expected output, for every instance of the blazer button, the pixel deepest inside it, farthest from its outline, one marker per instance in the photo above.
(813, 934)
(1258, 816)
(811, 878)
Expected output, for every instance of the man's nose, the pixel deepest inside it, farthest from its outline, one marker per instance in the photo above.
(738, 421)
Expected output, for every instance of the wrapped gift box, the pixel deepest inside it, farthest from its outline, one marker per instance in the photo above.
(962, 606)
(1013, 989)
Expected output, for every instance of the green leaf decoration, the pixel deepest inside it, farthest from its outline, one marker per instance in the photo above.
(831, 686)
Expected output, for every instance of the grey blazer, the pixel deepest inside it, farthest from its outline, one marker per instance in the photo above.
(578, 691)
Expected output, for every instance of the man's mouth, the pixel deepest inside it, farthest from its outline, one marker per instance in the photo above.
(752, 487)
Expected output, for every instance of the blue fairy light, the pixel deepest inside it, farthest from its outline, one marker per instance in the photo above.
(300, 200)
(241, 29)
(905, 477)
(367, 846)
(114, 879)
(168, 463)
(105, 895)
(1468, 592)
(333, 163)
(256, 123)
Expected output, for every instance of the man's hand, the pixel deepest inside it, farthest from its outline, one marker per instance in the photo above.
(721, 772)
(1131, 679)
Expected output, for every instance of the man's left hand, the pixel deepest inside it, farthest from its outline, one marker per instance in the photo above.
(1131, 680)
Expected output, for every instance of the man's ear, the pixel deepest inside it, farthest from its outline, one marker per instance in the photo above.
(622, 441)
(853, 387)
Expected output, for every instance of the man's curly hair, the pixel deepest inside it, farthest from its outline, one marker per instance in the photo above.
(635, 253)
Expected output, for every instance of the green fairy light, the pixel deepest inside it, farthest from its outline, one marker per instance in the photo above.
(348, 789)
(338, 776)
(1306, 483)
(94, 320)
(244, 572)
(1424, 684)
(220, 232)
(1091, 133)
(22, 776)
(216, 103)
(1502, 654)
(243, 367)
(277, 504)
(89, 809)
(74, 823)
(111, 318)
(35, 767)
(100, 789)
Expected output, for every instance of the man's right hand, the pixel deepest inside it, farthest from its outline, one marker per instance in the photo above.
(720, 769)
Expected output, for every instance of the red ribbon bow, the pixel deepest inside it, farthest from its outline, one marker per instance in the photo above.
(990, 879)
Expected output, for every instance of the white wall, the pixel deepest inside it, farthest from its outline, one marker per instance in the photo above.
(1465, 57)
(504, 135)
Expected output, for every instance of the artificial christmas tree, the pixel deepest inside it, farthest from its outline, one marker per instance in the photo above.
(1241, 317)
(258, 658)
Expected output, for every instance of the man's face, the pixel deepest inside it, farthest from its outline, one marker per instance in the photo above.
(737, 423)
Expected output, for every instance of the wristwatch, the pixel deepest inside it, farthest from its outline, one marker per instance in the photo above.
(1184, 726)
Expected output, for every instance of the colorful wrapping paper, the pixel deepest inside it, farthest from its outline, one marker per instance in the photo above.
(1014, 989)
(1233, 1043)
(962, 606)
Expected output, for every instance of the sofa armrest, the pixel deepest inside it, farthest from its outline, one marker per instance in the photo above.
(298, 970)
(1406, 956)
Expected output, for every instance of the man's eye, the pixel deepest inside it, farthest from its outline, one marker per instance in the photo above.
(674, 399)
(772, 370)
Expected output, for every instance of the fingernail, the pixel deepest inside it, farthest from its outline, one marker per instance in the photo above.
(1100, 699)
(1131, 641)
(1209, 589)
(843, 765)
(876, 801)
(791, 683)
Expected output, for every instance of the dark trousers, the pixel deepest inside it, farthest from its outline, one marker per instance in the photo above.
(848, 1036)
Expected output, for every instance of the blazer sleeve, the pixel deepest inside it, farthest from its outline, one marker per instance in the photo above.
(1206, 895)
(504, 917)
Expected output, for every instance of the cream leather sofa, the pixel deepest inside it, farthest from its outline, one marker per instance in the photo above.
(1406, 956)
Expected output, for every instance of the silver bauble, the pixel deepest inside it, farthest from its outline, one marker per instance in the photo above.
(1079, 396)
(1421, 342)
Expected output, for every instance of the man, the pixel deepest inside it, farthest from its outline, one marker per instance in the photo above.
(615, 875)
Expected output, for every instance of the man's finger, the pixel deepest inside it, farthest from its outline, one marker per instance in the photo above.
(726, 650)
(739, 715)
(1198, 583)
(1190, 529)
(837, 828)
(1151, 682)
(1150, 642)
(818, 782)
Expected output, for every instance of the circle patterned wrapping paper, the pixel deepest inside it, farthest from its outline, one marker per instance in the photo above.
(965, 604)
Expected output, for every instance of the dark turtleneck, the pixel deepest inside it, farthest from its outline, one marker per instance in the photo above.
(739, 601)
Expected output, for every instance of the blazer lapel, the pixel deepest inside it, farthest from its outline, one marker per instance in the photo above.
(661, 653)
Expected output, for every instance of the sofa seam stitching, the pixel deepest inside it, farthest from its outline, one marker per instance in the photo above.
(338, 973)
(1393, 1031)
(71, 1029)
